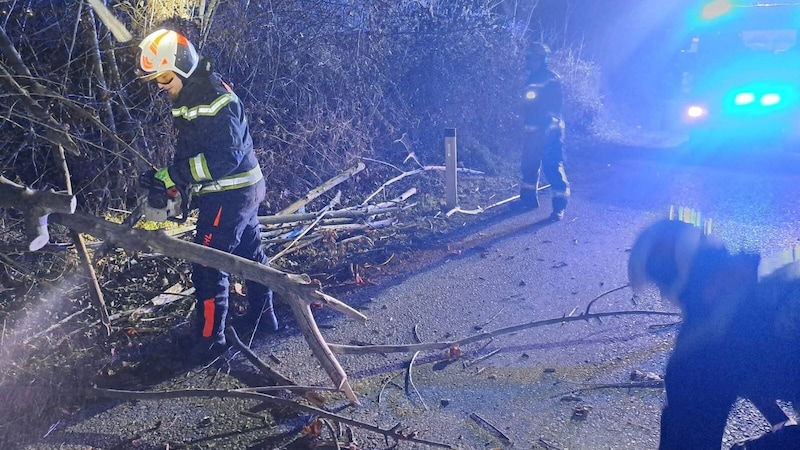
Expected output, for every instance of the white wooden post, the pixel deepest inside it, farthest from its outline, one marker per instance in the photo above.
(451, 161)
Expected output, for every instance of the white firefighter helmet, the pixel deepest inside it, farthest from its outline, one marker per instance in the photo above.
(164, 50)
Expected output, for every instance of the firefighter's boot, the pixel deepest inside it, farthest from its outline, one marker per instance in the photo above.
(260, 315)
(559, 206)
(528, 197)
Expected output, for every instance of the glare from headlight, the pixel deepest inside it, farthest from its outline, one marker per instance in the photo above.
(770, 99)
(696, 112)
(745, 98)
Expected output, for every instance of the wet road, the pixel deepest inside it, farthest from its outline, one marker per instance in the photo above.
(752, 197)
(539, 387)
(520, 269)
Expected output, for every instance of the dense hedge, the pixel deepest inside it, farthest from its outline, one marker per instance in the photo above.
(325, 83)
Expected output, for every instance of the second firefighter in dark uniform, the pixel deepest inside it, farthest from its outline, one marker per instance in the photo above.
(543, 134)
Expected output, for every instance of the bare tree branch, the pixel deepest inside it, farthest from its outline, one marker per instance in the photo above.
(365, 349)
(298, 291)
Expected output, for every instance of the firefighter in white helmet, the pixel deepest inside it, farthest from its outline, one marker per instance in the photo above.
(214, 158)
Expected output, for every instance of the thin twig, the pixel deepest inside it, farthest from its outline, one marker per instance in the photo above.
(626, 385)
(319, 190)
(486, 356)
(410, 381)
(55, 325)
(485, 423)
(493, 317)
(383, 388)
(334, 435)
(603, 295)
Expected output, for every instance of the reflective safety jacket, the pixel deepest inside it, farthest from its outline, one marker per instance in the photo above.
(214, 150)
(542, 99)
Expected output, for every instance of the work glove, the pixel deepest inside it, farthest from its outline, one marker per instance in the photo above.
(163, 176)
(159, 187)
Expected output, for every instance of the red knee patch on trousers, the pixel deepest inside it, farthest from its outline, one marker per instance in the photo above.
(208, 317)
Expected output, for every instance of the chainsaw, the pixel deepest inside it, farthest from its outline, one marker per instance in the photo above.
(157, 203)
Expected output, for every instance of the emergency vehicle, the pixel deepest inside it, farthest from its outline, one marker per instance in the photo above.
(740, 74)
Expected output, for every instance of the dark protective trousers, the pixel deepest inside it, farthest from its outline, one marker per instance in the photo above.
(543, 151)
(227, 221)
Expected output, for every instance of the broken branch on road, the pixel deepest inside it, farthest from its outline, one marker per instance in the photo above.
(393, 433)
(408, 348)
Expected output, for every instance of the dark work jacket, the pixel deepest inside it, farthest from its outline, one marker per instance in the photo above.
(542, 98)
(740, 338)
(213, 139)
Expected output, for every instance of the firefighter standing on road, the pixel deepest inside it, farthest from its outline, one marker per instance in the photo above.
(544, 134)
(214, 157)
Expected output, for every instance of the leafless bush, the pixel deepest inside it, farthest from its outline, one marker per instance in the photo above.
(324, 83)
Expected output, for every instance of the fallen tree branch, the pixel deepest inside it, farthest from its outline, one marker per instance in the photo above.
(342, 213)
(626, 385)
(392, 433)
(35, 206)
(298, 291)
(308, 228)
(325, 187)
(398, 178)
(365, 349)
(274, 376)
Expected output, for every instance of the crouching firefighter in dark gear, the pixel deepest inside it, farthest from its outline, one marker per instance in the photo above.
(543, 134)
(740, 336)
(214, 157)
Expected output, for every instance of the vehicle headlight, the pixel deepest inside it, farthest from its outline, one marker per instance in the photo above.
(696, 112)
(770, 99)
(745, 98)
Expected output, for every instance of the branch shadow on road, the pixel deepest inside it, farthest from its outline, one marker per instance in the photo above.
(473, 239)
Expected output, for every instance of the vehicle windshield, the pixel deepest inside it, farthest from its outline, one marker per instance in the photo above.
(768, 29)
(747, 39)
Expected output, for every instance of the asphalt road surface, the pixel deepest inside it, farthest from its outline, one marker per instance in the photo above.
(540, 387)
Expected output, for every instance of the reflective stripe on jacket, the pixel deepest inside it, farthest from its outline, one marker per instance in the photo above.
(231, 182)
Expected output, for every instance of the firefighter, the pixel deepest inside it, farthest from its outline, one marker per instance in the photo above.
(214, 157)
(740, 336)
(543, 134)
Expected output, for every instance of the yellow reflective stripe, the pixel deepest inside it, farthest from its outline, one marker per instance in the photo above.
(205, 110)
(199, 168)
(231, 182)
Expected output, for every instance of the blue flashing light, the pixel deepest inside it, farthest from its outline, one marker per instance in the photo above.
(745, 98)
(715, 9)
